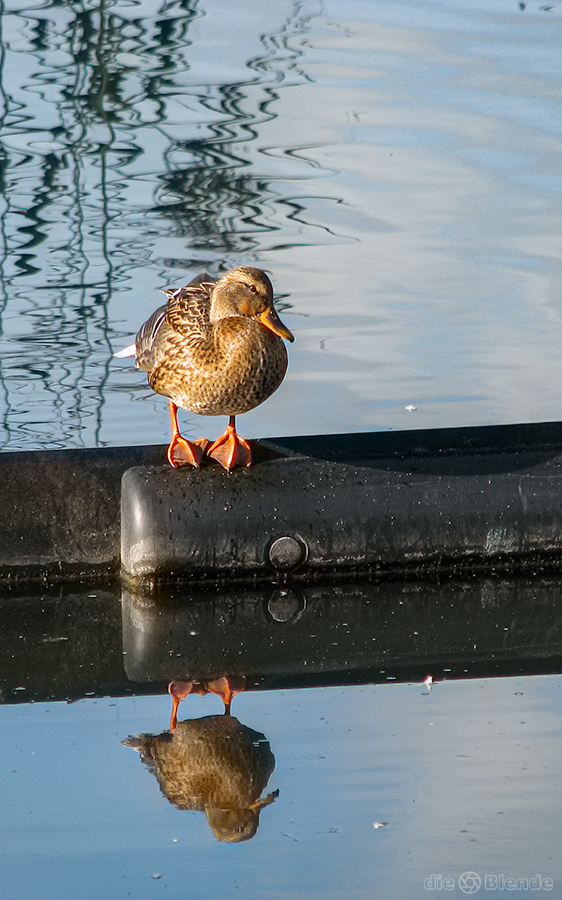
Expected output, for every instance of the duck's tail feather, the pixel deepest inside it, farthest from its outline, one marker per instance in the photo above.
(131, 350)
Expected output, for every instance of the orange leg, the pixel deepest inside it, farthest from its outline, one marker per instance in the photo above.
(180, 451)
(227, 687)
(230, 449)
(178, 691)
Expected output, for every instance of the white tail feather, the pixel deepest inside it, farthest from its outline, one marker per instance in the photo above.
(131, 350)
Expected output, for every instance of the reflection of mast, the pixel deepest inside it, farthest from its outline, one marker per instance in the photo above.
(3, 164)
(100, 85)
(60, 326)
(70, 133)
(217, 205)
(66, 197)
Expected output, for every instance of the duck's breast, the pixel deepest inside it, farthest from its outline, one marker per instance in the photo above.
(227, 372)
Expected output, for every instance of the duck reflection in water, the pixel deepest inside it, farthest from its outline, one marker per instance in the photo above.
(214, 763)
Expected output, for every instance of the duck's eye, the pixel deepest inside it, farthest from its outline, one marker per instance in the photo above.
(253, 288)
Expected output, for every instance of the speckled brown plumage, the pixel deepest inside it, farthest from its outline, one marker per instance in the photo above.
(216, 347)
(214, 764)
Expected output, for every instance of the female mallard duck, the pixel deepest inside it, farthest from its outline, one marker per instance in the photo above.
(214, 764)
(214, 349)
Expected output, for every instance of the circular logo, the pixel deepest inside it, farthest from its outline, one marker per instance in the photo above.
(470, 882)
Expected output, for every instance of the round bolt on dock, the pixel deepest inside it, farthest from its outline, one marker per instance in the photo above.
(287, 552)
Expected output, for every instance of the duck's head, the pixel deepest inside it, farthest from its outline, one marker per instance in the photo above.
(246, 291)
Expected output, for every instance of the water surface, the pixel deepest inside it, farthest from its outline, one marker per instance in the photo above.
(394, 166)
(466, 778)
(383, 784)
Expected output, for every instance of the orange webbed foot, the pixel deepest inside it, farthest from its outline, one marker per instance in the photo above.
(230, 449)
(182, 452)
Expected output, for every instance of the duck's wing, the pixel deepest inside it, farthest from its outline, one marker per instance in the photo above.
(186, 312)
(146, 341)
(187, 309)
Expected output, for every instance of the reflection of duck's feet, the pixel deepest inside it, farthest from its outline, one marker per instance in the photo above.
(227, 687)
(178, 691)
(230, 449)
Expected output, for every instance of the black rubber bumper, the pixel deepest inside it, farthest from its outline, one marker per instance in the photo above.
(311, 507)
(411, 502)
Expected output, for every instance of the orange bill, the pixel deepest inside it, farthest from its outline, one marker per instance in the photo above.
(271, 320)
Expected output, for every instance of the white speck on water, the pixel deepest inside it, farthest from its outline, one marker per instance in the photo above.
(428, 682)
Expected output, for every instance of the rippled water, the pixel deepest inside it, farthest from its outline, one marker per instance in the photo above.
(395, 166)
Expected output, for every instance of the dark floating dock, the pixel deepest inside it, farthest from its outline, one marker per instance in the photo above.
(320, 565)
(380, 504)
(67, 642)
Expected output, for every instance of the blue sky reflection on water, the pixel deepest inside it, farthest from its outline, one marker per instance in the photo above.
(467, 778)
(395, 166)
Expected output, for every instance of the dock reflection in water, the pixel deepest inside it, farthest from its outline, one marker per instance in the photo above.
(343, 633)
(68, 644)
